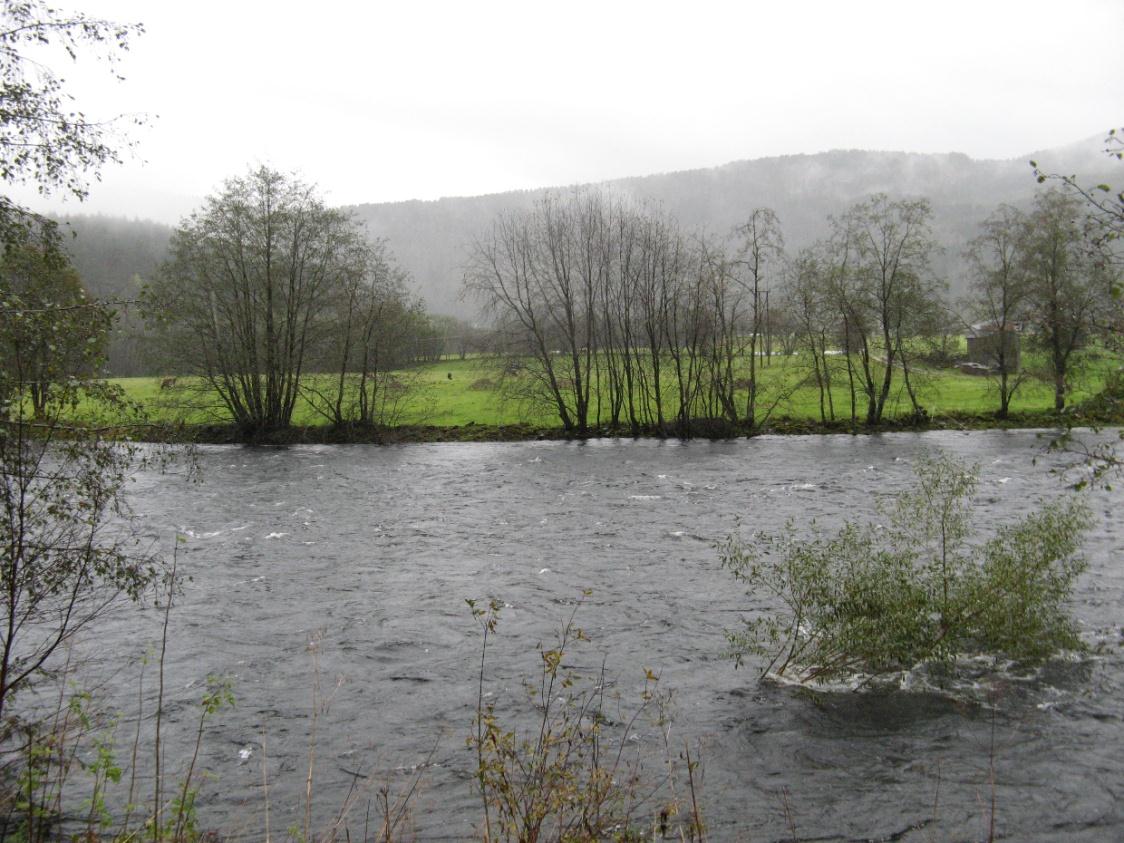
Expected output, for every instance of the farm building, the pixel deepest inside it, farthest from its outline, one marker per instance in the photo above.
(986, 342)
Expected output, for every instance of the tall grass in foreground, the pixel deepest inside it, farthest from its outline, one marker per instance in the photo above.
(570, 776)
(60, 770)
(567, 771)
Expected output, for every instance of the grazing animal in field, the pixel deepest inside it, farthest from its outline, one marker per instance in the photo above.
(167, 383)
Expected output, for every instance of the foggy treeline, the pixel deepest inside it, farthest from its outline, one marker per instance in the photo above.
(616, 317)
(430, 240)
(116, 258)
(430, 237)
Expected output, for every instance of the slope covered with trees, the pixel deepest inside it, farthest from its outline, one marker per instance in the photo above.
(432, 238)
(114, 257)
(433, 241)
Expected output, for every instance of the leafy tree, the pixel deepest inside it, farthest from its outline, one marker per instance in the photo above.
(51, 331)
(60, 484)
(923, 587)
(61, 562)
(1104, 228)
(1103, 203)
(459, 336)
(1066, 280)
(245, 298)
(43, 140)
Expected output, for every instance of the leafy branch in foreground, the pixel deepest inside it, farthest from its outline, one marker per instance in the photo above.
(874, 600)
(44, 139)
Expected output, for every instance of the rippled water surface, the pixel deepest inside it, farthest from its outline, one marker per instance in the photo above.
(372, 552)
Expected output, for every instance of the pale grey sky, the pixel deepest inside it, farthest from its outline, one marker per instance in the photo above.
(382, 101)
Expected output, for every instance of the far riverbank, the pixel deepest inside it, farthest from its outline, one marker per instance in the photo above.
(225, 434)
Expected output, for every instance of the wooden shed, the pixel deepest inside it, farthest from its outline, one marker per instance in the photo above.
(986, 342)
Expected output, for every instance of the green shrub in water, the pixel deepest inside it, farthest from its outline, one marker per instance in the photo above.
(878, 598)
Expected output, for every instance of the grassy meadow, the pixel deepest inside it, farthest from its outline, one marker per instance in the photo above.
(456, 392)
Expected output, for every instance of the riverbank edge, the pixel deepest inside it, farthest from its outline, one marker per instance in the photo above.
(707, 429)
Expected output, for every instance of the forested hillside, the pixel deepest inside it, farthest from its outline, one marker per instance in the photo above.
(429, 238)
(114, 256)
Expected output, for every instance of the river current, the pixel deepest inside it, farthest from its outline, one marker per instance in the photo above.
(368, 554)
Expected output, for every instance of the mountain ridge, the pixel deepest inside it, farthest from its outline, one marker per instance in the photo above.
(430, 237)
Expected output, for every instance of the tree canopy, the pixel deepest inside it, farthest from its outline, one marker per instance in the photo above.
(923, 586)
(265, 283)
(50, 330)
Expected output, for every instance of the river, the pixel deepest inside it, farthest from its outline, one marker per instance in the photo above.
(371, 552)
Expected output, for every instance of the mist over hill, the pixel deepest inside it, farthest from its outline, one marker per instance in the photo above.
(430, 238)
(114, 255)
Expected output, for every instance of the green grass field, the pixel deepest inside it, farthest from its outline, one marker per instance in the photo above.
(456, 393)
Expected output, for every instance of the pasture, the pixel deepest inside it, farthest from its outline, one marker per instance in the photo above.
(481, 391)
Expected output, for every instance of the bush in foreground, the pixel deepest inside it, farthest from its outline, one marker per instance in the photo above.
(873, 600)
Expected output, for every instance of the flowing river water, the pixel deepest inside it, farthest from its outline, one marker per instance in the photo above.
(370, 553)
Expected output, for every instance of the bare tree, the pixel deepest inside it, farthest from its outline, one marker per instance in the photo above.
(546, 271)
(999, 295)
(760, 255)
(726, 345)
(373, 322)
(881, 282)
(808, 298)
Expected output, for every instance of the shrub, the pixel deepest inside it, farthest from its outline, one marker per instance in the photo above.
(875, 599)
(567, 778)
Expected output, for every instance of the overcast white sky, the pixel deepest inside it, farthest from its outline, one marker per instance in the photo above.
(379, 101)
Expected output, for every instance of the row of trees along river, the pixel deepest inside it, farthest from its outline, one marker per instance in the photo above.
(612, 315)
(603, 310)
(610, 304)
